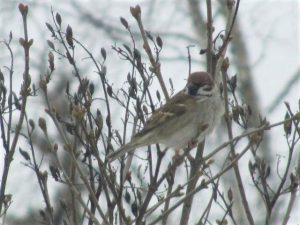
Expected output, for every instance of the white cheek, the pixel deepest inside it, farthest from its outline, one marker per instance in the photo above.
(185, 90)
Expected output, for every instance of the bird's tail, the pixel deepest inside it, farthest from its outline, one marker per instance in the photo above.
(123, 150)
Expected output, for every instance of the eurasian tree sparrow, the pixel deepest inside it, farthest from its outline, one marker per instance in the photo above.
(186, 118)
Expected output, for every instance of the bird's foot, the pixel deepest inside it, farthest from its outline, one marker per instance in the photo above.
(192, 143)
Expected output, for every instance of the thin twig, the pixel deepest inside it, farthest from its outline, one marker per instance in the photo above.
(209, 53)
(290, 206)
(78, 168)
(229, 30)
(264, 127)
(285, 175)
(155, 65)
(189, 58)
(202, 185)
(196, 163)
(24, 93)
(8, 135)
(232, 149)
(78, 194)
(42, 178)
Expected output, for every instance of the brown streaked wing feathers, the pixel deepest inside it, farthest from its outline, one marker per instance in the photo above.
(172, 109)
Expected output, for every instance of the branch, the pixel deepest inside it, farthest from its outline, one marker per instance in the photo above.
(209, 38)
(290, 206)
(232, 149)
(136, 13)
(229, 28)
(202, 185)
(194, 176)
(26, 44)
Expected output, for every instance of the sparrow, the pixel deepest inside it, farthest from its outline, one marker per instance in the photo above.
(185, 118)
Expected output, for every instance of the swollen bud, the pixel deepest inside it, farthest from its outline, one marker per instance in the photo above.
(42, 124)
(225, 64)
(103, 53)
(159, 42)
(287, 126)
(136, 12)
(69, 36)
(124, 22)
(23, 9)
(51, 61)
(43, 85)
(58, 19)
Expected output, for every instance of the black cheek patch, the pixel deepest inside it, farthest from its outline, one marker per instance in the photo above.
(192, 90)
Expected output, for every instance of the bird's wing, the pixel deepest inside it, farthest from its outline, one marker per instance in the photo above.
(172, 109)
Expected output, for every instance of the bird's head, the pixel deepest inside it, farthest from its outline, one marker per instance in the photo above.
(200, 84)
